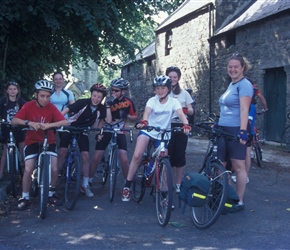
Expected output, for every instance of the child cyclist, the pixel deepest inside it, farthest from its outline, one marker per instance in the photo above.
(158, 112)
(9, 106)
(87, 113)
(39, 114)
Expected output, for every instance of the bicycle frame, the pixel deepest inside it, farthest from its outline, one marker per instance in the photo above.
(11, 144)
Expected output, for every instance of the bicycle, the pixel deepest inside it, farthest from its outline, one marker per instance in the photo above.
(206, 215)
(72, 166)
(110, 162)
(206, 117)
(163, 186)
(13, 164)
(285, 137)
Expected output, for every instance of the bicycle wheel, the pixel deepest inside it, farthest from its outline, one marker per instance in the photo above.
(258, 153)
(113, 172)
(11, 162)
(285, 140)
(164, 191)
(139, 183)
(205, 216)
(44, 184)
(73, 181)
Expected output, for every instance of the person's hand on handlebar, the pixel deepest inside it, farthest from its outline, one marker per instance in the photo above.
(142, 123)
(186, 128)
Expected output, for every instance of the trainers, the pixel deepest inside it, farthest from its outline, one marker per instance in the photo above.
(126, 194)
(23, 204)
(87, 191)
(234, 179)
(177, 189)
(54, 200)
(237, 207)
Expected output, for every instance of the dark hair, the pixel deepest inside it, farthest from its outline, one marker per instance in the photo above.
(243, 61)
(57, 73)
(18, 94)
(176, 90)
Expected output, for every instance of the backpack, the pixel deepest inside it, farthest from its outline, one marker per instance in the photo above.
(194, 189)
(67, 95)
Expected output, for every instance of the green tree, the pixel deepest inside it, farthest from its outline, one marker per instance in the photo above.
(38, 37)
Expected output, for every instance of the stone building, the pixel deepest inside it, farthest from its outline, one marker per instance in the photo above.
(200, 36)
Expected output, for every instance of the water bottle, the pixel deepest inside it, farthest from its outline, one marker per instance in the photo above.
(149, 168)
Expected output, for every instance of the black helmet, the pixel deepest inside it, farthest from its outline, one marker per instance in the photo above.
(43, 85)
(162, 81)
(189, 90)
(11, 83)
(120, 83)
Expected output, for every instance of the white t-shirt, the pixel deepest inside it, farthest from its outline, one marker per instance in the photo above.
(184, 99)
(161, 114)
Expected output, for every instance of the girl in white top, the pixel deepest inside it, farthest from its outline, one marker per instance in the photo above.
(159, 111)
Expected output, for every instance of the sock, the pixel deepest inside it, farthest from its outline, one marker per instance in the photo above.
(91, 180)
(85, 181)
(241, 203)
(128, 184)
(25, 195)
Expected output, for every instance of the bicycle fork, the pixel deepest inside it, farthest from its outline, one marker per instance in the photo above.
(39, 166)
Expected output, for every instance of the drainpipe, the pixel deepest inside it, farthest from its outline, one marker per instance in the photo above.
(210, 56)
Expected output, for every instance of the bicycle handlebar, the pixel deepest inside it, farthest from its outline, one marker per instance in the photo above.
(115, 130)
(162, 130)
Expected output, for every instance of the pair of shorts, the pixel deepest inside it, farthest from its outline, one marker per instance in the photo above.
(156, 142)
(32, 150)
(102, 144)
(82, 139)
(18, 133)
(176, 149)
(231, 148)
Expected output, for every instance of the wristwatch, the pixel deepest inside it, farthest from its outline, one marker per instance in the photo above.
(26, 122)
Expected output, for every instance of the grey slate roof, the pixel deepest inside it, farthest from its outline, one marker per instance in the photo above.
(258, 10)
(147, 52)
(186, 8)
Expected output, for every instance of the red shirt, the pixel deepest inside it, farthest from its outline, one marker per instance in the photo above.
(48, 114)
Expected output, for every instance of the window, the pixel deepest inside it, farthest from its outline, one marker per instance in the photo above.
(168, 42)
(231, 39)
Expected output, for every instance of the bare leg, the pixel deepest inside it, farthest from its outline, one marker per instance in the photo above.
(124, 162)
(239, 167)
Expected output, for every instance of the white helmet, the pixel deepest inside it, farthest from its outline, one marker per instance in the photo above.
(43, 85)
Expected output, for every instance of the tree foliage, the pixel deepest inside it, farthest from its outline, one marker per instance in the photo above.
(40, 36)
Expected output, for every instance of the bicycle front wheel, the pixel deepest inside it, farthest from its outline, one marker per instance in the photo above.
(73, 181)
(11, 162)
(113, 172)
(258, 153)
(206, 215)
(139, 184)
(103, 170)
(285, 140)
(44, 184)
(164, 191)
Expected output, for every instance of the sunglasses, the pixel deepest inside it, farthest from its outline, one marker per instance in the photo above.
(115, 90)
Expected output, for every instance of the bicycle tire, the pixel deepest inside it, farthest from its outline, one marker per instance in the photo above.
(12, 170)
(258, 153)
(44, 184)
(205, 216)
(164, 191)
(113, 172)
(139, 183)
(73, 181)
(285, 140)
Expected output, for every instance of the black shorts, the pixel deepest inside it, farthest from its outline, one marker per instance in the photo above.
(83, 141)
(176, 149)
(31, 151)
(230, 148)
(121, 141)
(18, 134)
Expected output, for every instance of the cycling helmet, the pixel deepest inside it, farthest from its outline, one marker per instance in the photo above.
(43, 85)
(11, 83)
(99, 87)
(162, 81)
(189, 90)
(120, 83)
(175, 69)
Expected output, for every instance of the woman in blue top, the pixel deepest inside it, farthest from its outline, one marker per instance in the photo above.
(234, 111)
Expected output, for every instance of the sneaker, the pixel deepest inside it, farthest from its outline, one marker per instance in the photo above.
(234, 179)
(87, 191)
(54, 200)
(126, 194)
(177, 189)
(23, 204)
(237, 207)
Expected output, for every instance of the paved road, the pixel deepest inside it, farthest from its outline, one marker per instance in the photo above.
(95, 223)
